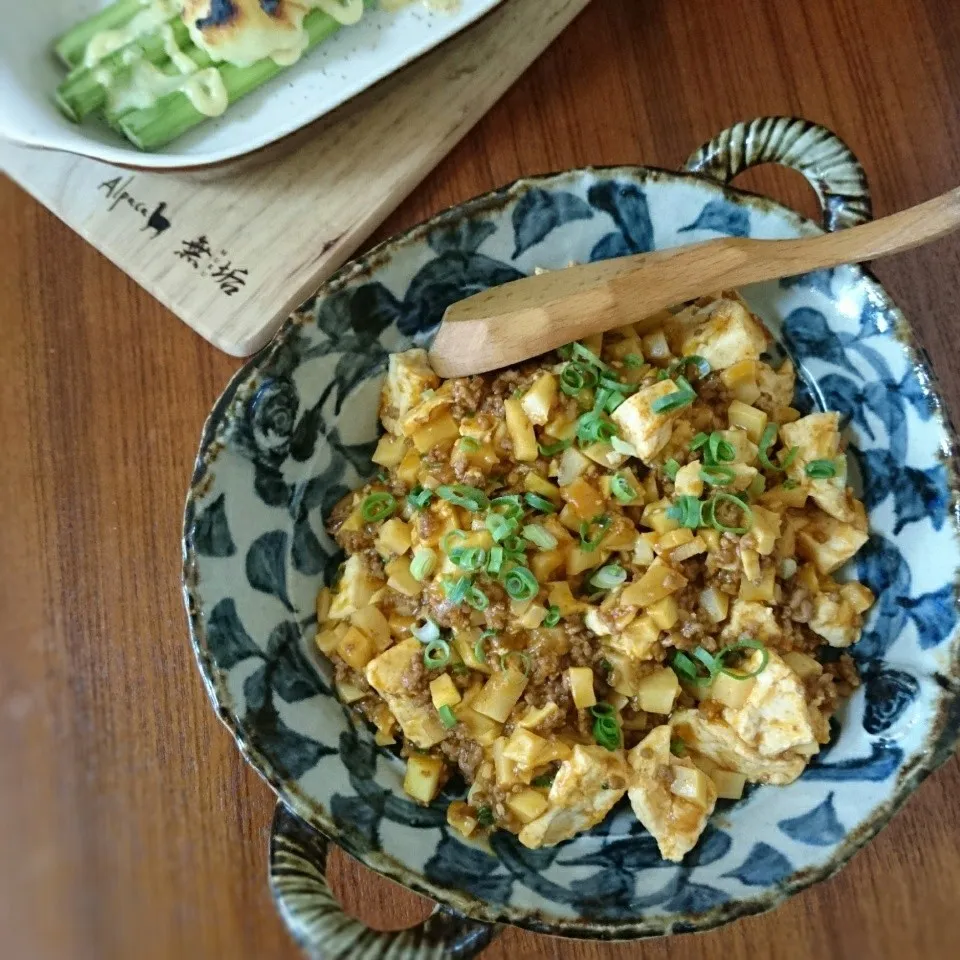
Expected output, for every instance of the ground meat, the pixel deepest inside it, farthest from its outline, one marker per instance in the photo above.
(396, 602)
(800, 604)
(582, 643)
(467, 754)
(416, 680)
(345, 674)
(467, 393)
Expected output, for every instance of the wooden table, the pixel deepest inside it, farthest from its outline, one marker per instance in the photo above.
(130, 826)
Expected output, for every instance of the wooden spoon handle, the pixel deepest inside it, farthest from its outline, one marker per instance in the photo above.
(513, 322)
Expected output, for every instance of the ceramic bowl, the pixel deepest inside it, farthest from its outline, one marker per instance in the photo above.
(327, 77)
(294, 432)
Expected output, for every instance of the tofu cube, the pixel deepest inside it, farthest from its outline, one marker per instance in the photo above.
(649, 432)
(828, 543)
(408, 375)
(355, 590)
(727, 336)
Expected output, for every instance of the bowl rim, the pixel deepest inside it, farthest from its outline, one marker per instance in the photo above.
(941, 742)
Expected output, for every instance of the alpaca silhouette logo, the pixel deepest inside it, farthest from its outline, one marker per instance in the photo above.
(118, 192)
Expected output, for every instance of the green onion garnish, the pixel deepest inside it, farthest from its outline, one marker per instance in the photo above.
(540, 536)
(456, 590)
(378, 506)
(447, 717)
(698, 441)
(633, 360)
(513, 503)
(419, 497)
(427, 633)
(790, 457)
(744, 643)
(790, 484)
(719, 450)
(590, 542)
(539, 503)
(485, 817)
(617, 385)
(680, 366)
(608, 577)
(592, 428)
(446, 541)
(524, 659)
(606, 730)
(544, 780)
(496, 560)
(468, 558)
(767, 439)
(683, 396)
(520, 584)
(436, 654)
(553, 616)
(552, 449)
(460, 495)
(581, 351)
(479, 654)
(717, 476)
(687, 511)
(621, 489)
(566, 351)
(469, 444)
(710, 513)
(423, 563)
(671, 468)
(499, 527)
(689, 670)
(677, 747)
(477, 599)
(514, 547)
(576, 377)
(820, 469)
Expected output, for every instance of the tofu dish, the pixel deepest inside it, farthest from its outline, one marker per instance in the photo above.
(605, 573)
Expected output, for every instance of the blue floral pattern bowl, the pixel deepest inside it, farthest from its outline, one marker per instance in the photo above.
(295, 429)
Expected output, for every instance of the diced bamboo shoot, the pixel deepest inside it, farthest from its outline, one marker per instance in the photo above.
(658, 692)
(394, 537)
(356, 648)
(731, 691)
(560, 596)
(527, 805)
(521, 431)
(441, 432)
(460, 816)
(401, 579)
(538, 400)
(329, 638)
(729, 784)
(422, 780)
(500, 694)
(390, 451)
(443, 691)
(580, 681)
(373, 623)
(691, 784)
(748, 418)
(658, 582)
(665, 613)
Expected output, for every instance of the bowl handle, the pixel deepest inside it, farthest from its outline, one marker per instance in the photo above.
(828, 164)
(298, 861)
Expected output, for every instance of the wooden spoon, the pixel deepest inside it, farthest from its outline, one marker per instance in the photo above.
(519, 320)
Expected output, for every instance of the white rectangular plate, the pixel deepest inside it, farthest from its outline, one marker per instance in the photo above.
(350, 61)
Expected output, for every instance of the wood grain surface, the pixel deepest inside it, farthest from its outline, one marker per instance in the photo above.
(130, 826)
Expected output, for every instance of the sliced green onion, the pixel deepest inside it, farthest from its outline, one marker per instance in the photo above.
(621, 446)
(520, 584)
(447, 716)
(446, 541)
(744, 643)
(540, 536)
(605, 396)
(633, 360)
(461, 495)
(436, 654)
(423, 563)
(544, 780)
(606, 729)
(719, 449)
(499, 527)
(767, 439)
(456, 590)
(608, 577)
(378, 506)
(687, 511)
(617, 385)
(680, 366)
(477, 599)
(469, 558)
(671, 468)
(469, 444)
(592, 428)
(590, 542)
(576, 377)
(790, 457)
(689, 671)
(621, 489)
(513, 502)
(553, 616)
(821, 469)
(698, 441)
(552, 449)
(524, 659)
(540, 503)
(485, 817)
(602, 709)
(683, 396)
(677, 747)
(790, 484)
(717, 476)
(479, 654)
(427, 633)
(496, 560)
(719, 498)
(584, 353)
(514, 547)
(419, 497)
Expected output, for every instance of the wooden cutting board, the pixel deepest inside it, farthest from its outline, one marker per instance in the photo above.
(233, 250)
